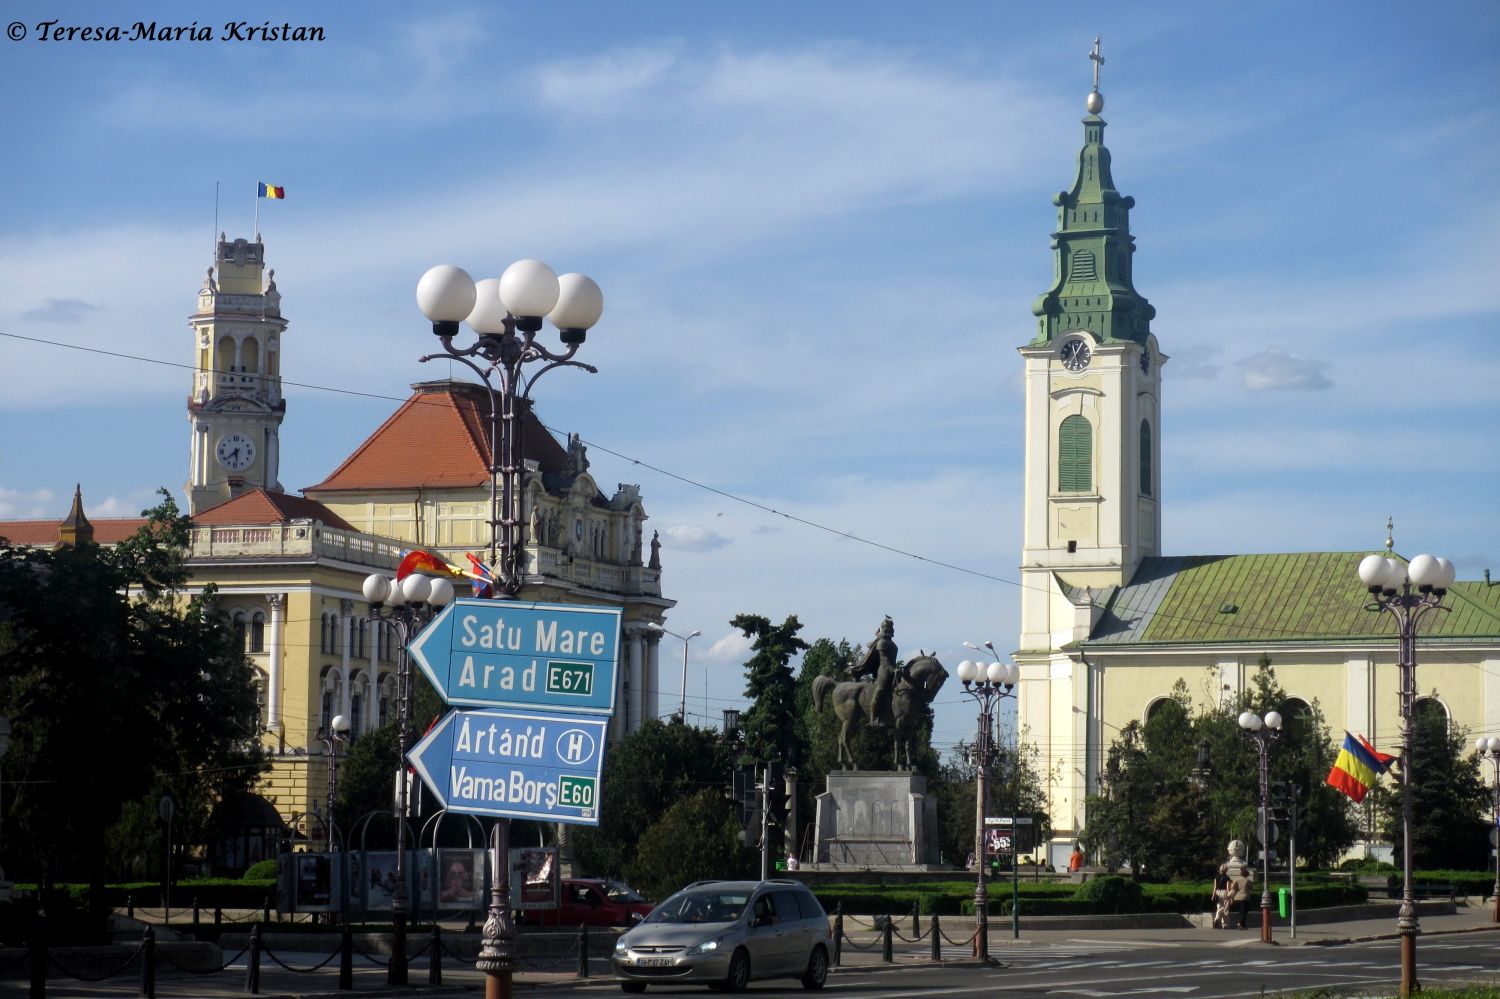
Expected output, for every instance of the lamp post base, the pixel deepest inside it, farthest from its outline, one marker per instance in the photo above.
(1409, 964)
(1265, 922)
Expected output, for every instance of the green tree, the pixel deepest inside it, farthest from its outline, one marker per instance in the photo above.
(367, 774)
(1014, 779)
(647, 773)
(1449, 798)
(769, 685)
(119, 687)
(697, 838)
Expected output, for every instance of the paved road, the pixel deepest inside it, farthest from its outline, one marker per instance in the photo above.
(1359, 958)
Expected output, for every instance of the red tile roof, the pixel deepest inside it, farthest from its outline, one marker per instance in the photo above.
(43, 533)
(439, 438)
(259, 506)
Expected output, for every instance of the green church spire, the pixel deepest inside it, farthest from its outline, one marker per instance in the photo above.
(1092, 248)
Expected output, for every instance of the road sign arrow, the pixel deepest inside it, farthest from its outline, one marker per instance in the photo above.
(516, 764)
(506, 653)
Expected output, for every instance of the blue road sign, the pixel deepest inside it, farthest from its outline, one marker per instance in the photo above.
(505, 653)
(516, 764)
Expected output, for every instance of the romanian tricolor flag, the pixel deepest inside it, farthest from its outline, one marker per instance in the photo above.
(484, 580)
(271, 191)
(1358, 766)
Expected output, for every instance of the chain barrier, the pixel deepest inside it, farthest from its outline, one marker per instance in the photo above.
(857, 946)
(443, 945)
(166, 956)
(300, 971)
(71, 973)
(967, 941)
(372, 958)
(14, 962)
(906, 939)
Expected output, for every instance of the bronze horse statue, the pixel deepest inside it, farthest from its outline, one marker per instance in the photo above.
(898, 696)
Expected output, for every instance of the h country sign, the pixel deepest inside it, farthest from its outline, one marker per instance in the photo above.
(515, 764)
(505, 653)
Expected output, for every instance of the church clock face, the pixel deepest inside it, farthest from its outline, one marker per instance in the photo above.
(1076, 354)
(235, 452)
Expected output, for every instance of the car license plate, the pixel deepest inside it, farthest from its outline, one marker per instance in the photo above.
(653, 962)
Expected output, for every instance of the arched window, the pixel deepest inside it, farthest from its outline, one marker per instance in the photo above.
(1155, 707)
(327, 711)
(239, 630)
(258, 632)
(1430, 710)
(1075, 456)
(356, 713)
(1145, 457)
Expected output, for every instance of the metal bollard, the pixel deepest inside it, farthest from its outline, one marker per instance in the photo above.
(252, 962)
(838, 935)
(267, 912)
(886, 954)
(148, 964)
(583, 950)
(195, 912)
(937, 943)
(218, 916)
(916, 929)
(129, 906)
(346, 960)
(435, 963)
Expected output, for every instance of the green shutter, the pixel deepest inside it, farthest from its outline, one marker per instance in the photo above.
(1075, 456)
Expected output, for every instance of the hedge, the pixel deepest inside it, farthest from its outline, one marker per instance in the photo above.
(1476, 883)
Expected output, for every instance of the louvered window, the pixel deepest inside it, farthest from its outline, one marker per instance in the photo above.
(1083, 266)
(1075, 456)
(1145, 458)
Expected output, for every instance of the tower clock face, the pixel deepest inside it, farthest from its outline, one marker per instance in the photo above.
(235, 452)
(1076, 354)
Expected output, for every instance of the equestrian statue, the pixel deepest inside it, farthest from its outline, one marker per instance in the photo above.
(893, 696)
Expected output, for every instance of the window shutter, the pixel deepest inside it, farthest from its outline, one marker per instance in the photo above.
(1075, 456)
(1145, 458)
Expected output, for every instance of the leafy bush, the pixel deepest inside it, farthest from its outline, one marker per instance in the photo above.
(1111, 893)
(1366, 865)
(1477, 883)
(261, 870)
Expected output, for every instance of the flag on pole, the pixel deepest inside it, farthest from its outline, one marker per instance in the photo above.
(272, 191)
(482, 576)
(1358, 766)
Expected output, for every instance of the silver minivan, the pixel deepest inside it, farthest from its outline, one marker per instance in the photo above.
(726, 934)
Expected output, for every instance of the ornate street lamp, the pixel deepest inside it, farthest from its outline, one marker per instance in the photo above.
(653, 626)
(1489, 749)
(1408, 593)
(335, 735)
(987, 684)
(407, 606)
(1264, 731)
(506, 315)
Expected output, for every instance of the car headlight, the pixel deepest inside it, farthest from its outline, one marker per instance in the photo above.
(706, 947)
(620, 946)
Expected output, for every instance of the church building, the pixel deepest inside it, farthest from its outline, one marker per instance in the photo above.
(289, 569)
(1109, 623)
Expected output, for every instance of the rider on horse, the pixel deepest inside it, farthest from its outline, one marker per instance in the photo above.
(879, 662)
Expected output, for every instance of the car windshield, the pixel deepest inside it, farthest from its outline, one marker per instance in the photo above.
(701, 905)
(619, 891)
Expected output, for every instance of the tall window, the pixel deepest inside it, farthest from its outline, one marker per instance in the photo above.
(239, 629)
(1145, 457)
(1075, 456)
(258, 632)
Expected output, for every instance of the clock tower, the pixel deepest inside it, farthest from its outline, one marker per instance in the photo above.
(1093, 378)
(236, 406)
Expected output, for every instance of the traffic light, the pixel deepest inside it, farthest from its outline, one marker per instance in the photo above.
(746, 798)
(776, 797)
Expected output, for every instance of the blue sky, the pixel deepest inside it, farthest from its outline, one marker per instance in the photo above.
(819, 229)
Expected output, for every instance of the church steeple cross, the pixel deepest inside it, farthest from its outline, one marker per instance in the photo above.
(1098, 60)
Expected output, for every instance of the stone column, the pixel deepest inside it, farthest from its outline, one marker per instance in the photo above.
(346, 625)
(653, 677)
(273, 661)
(634, 651)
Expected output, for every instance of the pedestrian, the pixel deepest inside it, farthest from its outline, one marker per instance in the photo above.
(1075, 862)
(1241, 878)
(1223, 900)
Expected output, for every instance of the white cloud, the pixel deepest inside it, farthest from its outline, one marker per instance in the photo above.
(1275, 370)
(35, 504)
(61, 310)
(692, 538)
(734, 648)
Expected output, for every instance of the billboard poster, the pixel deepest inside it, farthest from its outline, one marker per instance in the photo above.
(308, 882)
(460, 883)
(534, 882)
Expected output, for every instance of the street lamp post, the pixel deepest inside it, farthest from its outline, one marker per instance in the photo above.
(1264, 731)
(653, 626)
(1489, 749)
(332, 737)
(407, 606)
(987, 684)
(506, 315)
(1408, 593)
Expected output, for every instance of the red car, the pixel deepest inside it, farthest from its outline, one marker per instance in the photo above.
(593, 902)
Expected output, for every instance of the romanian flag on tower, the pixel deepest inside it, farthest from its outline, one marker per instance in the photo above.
(272, 191)
(1358, 766)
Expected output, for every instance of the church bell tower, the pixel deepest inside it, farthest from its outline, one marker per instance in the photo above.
(1093, 379)
(236, 406)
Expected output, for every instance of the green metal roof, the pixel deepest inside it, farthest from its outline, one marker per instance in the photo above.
(1300, 597)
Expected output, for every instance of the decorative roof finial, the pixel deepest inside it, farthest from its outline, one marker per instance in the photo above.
(1390, 541)
(1095, 102)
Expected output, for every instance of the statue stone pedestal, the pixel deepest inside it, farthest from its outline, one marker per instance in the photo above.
(874, 819)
